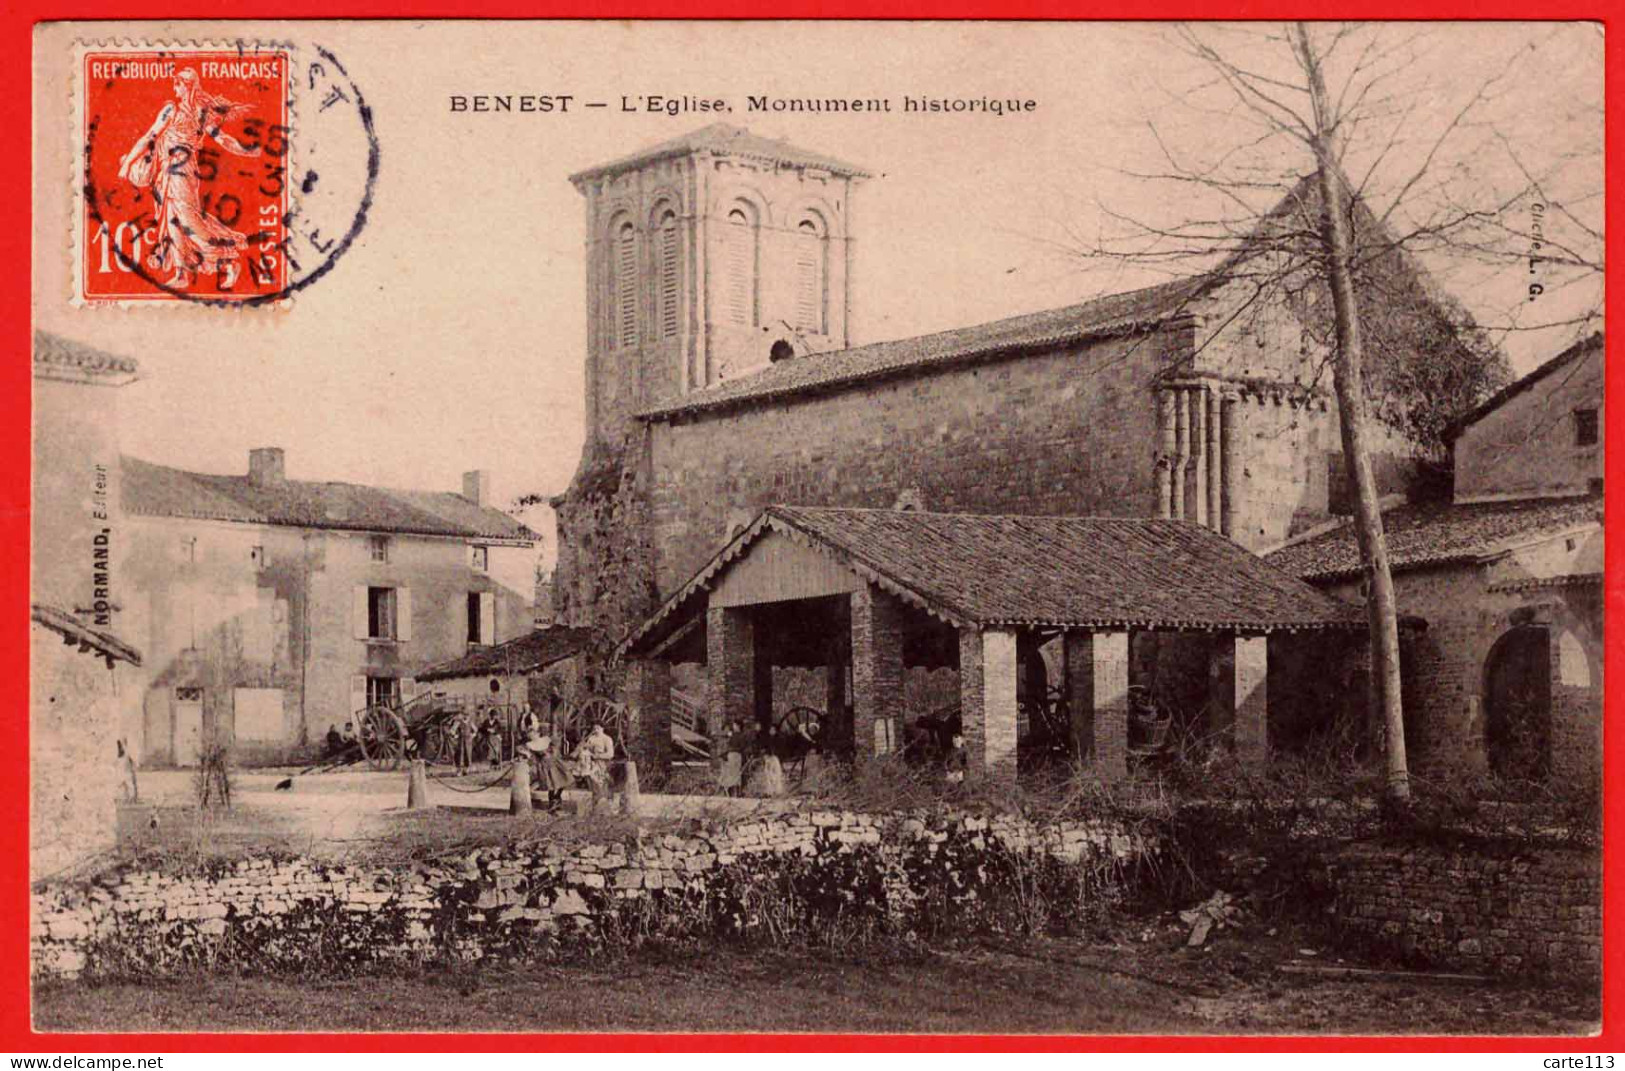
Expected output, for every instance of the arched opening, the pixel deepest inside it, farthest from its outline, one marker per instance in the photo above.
(810, 265)
(1518, 704)
(739, 264)
(667, 278)
(623, 326)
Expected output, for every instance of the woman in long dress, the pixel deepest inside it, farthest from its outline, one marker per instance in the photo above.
(548, 774)
(166, 160)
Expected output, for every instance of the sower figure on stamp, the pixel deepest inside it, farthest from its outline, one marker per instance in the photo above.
(170, 158)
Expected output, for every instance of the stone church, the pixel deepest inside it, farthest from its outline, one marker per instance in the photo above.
(726, 372)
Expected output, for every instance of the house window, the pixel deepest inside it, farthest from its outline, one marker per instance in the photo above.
(189, 550)
(383, 691)
(381, 619)
(257, 556)
(378, 547)
(479, 558)
(1585, 427)
(481, 617)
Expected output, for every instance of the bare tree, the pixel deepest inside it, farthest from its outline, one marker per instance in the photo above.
(1306, 126)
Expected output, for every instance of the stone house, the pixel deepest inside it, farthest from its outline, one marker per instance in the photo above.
(84, 674)
(725, 373)
(1507, 676)
(272, 608)
(539, 668)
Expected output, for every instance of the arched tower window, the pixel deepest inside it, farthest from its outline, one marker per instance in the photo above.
(623, 317)
(667, 277)
(811, 270)
(739, 260)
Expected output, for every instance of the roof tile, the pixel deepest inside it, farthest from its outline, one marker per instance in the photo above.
(1111, 314)
(1437, 533)
(1078, 572)
(158, 490)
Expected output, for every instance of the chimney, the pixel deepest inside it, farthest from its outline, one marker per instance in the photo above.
(265, 465)
(477, 487)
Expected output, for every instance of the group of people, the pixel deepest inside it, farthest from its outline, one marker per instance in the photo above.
(339, 742)
(736, 743)
(552, 774)
(466, 728)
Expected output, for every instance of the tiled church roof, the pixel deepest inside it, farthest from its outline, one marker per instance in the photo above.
(161, 491)
(1437, 533)
(723, 138)
(1075, 572)
(1112, 314)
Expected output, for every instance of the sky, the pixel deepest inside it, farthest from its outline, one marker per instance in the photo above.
(451, 336)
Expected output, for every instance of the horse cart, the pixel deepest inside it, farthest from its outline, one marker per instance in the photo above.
(426, 727)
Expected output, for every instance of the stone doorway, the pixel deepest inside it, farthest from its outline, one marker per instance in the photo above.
(1518, 704)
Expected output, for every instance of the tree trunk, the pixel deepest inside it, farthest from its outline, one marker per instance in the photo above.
(1347, 378)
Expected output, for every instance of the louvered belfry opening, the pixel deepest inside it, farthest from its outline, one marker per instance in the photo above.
(810, 273)
(668, 287)
(624, 320)
(739, 296)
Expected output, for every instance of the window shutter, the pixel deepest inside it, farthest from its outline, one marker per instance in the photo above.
(403, 614)
(361, 627)
(667, 282)
(488, 617)
(409, 689)
(740, 259)
(358, 694)
(809, 269)
(626, 286)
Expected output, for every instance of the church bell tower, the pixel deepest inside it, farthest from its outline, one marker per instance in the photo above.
(710, 257)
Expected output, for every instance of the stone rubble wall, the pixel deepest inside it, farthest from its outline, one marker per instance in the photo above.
(1528, 912)
(297, 912)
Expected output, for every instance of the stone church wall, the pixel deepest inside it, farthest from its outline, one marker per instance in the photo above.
(1068, 432)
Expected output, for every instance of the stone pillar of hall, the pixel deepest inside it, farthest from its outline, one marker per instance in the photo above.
(649, 689)
(987, 701)
(1097, 698)
(877, 672)
(730, 654)
(1241, 680)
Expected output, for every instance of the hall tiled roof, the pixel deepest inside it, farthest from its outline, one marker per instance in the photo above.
(1016, 571)
(1102, 316)
(727, 139)
(1438, 533)
(525, 654)
(162, 491)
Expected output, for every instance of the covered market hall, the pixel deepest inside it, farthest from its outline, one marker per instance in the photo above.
(1110, 609)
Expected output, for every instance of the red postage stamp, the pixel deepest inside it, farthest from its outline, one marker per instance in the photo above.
(186, 184)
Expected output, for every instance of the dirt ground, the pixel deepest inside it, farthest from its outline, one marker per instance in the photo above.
(1107, 986)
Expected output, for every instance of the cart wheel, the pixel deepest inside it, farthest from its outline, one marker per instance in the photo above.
(383, 738)
(606, 712)
(792, 720)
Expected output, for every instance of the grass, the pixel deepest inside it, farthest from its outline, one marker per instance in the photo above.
(1126, 986)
